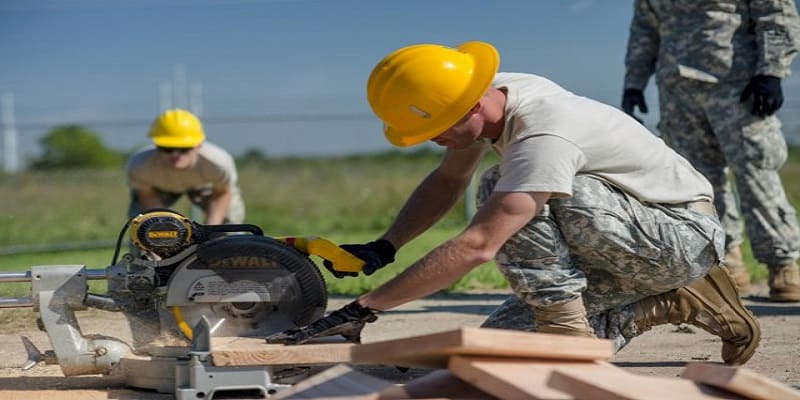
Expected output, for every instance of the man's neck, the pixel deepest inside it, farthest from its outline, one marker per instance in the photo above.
(495, 109)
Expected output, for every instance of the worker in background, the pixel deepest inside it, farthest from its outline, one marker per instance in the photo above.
(183, 162)
(599, 227)
(718, 66)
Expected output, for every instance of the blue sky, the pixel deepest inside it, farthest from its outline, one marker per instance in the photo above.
(74, 61)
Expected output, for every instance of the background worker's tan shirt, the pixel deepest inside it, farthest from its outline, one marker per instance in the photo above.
(215, 170)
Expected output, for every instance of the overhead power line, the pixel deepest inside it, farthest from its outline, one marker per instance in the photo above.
(240, 119)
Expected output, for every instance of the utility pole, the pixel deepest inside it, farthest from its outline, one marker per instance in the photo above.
(164, 96)
(179, 91)
(196, 99)
(10, 148)
(180, 94)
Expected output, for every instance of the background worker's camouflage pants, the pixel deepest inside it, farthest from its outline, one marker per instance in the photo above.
(605, 245)
(708, 125)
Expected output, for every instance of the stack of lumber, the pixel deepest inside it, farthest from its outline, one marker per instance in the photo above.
(479, 363)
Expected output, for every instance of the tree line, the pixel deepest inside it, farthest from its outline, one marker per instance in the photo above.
(76, 146)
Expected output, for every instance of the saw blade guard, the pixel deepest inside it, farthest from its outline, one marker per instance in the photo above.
(246, 286)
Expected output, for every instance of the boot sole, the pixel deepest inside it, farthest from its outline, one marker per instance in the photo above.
(784, 298)
(723, 281)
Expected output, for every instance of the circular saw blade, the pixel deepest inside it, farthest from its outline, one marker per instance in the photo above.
(246, 286)
(232, 319)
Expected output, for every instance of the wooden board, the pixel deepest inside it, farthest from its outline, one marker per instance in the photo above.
(81, 394)
(340, 381)
(739, 380)
(252, 351)
(617, 384)
(510, 378)
(434, 350)
(437, 384)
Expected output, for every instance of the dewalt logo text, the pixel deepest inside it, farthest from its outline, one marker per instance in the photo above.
(162, 234)
(243, 262)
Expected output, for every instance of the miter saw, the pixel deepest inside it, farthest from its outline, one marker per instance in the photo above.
(181, 283)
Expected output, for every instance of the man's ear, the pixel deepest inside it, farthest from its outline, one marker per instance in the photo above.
(475, 108)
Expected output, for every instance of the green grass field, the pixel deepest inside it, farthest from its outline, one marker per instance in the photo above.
(347, 200)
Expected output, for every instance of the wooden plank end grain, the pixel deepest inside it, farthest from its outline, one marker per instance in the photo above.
(739, 380)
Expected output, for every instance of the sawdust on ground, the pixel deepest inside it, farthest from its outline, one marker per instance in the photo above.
(663, 351)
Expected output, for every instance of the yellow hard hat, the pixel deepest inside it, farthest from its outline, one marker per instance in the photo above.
(177, 128)
(420, 91)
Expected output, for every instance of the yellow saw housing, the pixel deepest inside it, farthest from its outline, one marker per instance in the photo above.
(161, 232)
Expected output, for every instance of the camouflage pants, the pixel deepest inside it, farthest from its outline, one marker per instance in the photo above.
(199, 198)
(708, 125)
(606, 246)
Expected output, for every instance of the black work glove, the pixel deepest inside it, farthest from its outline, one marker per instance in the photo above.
(347, 321)
(633, 98)
(375, 255)
(767, 95)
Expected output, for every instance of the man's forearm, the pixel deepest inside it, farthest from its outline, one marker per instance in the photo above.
(148, 198)
(432, 199)
(503, 214)
(432, 273)
(218, 207)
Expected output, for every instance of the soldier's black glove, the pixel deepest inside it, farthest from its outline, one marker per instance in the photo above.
(633, 98)
(767, 95)
(347, 321)
(375, 255)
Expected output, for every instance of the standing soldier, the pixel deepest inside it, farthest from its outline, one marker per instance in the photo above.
(183, 162)
(718, 66)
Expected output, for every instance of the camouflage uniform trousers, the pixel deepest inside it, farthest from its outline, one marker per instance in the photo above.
(199, 198)
(708, 125)
(606, 246)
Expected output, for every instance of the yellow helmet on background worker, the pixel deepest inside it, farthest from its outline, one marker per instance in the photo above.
(420, 91)
(177, 128)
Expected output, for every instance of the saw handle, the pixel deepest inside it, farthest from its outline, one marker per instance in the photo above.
(343, 263)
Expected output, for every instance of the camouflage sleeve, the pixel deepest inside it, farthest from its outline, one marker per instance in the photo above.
(777, 28)
(643, 42)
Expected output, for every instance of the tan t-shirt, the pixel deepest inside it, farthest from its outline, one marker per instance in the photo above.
(551, 135)
(215, 169)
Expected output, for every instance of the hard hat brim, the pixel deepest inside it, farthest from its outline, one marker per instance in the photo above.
(487, 60)
(177, 142)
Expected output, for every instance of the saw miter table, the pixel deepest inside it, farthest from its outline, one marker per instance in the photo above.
(181, 284)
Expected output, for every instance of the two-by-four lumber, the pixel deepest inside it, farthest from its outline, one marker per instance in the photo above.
(78, 394)
(617, 384)
(434, 350)
(253, 351)
(514, 378)
(739, 380)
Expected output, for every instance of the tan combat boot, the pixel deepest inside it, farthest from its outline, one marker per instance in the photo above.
(712, 304)
(784, 283)
(738, 271)
(564, 319)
